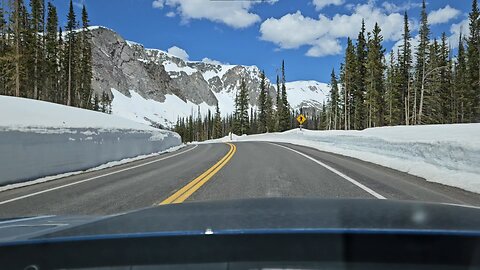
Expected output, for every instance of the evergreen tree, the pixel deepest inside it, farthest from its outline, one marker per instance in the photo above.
(334, 102)
(241, 123)
(4, 48)
(405, 60)
(85, 75)
(70, 54)
(347, 81)
(269, 112)
(217, 128)
(375, 79)
(284, 117)
(52, 77)
(37, 30)
(262, 104)
(359, 87)
(278, 104)
(421, 65)
(472, 110)
(461, 86)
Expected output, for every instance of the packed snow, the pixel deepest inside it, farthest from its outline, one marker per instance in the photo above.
(445, 154)
(28, 114)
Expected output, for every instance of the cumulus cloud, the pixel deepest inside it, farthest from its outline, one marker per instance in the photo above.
(392, 7)
(443, 15)
(321, 34)
(213, 62)
(170, 14)
(320, 4)
(235, 14)
(178, 52)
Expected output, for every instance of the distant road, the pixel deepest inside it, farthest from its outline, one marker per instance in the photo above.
(222, 172)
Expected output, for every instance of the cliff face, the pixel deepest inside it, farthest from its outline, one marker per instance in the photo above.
(130, 68)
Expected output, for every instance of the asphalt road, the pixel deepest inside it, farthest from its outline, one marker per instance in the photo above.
(222, 172)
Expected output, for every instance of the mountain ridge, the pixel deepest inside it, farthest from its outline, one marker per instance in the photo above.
(179, 87)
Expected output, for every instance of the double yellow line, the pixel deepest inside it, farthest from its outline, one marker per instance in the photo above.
(186, 191)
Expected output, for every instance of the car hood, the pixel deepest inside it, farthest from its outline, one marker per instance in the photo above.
(260, 215)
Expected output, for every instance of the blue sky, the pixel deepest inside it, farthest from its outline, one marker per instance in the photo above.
(309, 34)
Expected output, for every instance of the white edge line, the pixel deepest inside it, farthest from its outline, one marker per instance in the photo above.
(351, 180)
(95, 177)
(23, 219)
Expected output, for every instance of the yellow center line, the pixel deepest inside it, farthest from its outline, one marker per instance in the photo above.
(186, 191)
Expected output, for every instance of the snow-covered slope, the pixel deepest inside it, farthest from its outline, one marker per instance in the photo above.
(155, 87)
(446, 154)
(308, 94)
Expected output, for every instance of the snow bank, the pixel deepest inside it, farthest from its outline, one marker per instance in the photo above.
(446, 154)
(39, 139)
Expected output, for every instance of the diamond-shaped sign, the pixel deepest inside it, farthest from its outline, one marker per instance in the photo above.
(301, 119)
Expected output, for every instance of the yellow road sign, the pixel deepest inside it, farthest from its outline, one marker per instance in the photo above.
(301, 119)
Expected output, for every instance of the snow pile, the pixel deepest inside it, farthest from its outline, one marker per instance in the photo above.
(39, 139)
(446, 154)
(23, 114)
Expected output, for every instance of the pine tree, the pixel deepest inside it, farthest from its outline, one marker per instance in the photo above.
(85, 76)
(472, 109)
(359, 85)
(262, 104)
(334, 101)
(241, 123)
(375, 79)
(70, 50)
(37, 28)
(278, 103)
(460, 91)
(269, 112)
(4, 48)
(52, 78)
(346, 78)
(421, 66)
(284, 117)
(217, 128)
(405, 60)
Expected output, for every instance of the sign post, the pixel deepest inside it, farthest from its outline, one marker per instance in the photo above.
(301, 119)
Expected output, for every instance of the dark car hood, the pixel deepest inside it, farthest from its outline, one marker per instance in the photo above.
(254, 214)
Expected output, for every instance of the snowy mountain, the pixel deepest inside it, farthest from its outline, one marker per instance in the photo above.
(154, 87)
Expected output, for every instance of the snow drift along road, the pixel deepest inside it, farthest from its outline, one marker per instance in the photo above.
(39, 139)
(446, 154)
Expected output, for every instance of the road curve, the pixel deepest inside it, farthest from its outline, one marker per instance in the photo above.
(222, 171)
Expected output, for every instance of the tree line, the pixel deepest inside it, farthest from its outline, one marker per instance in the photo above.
(410, 86)
(271, 114)
(39, 60)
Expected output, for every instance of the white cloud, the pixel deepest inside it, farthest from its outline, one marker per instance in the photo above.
(213, 62)
(170, 14)
(235, 14)
(158, 4)
(319, 4)
(442, 15)
(456, 29)
(322, 34)
(392, 7)
(178, 52)
(325, 46)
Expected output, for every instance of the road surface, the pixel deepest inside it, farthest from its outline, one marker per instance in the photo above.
(221, 172)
